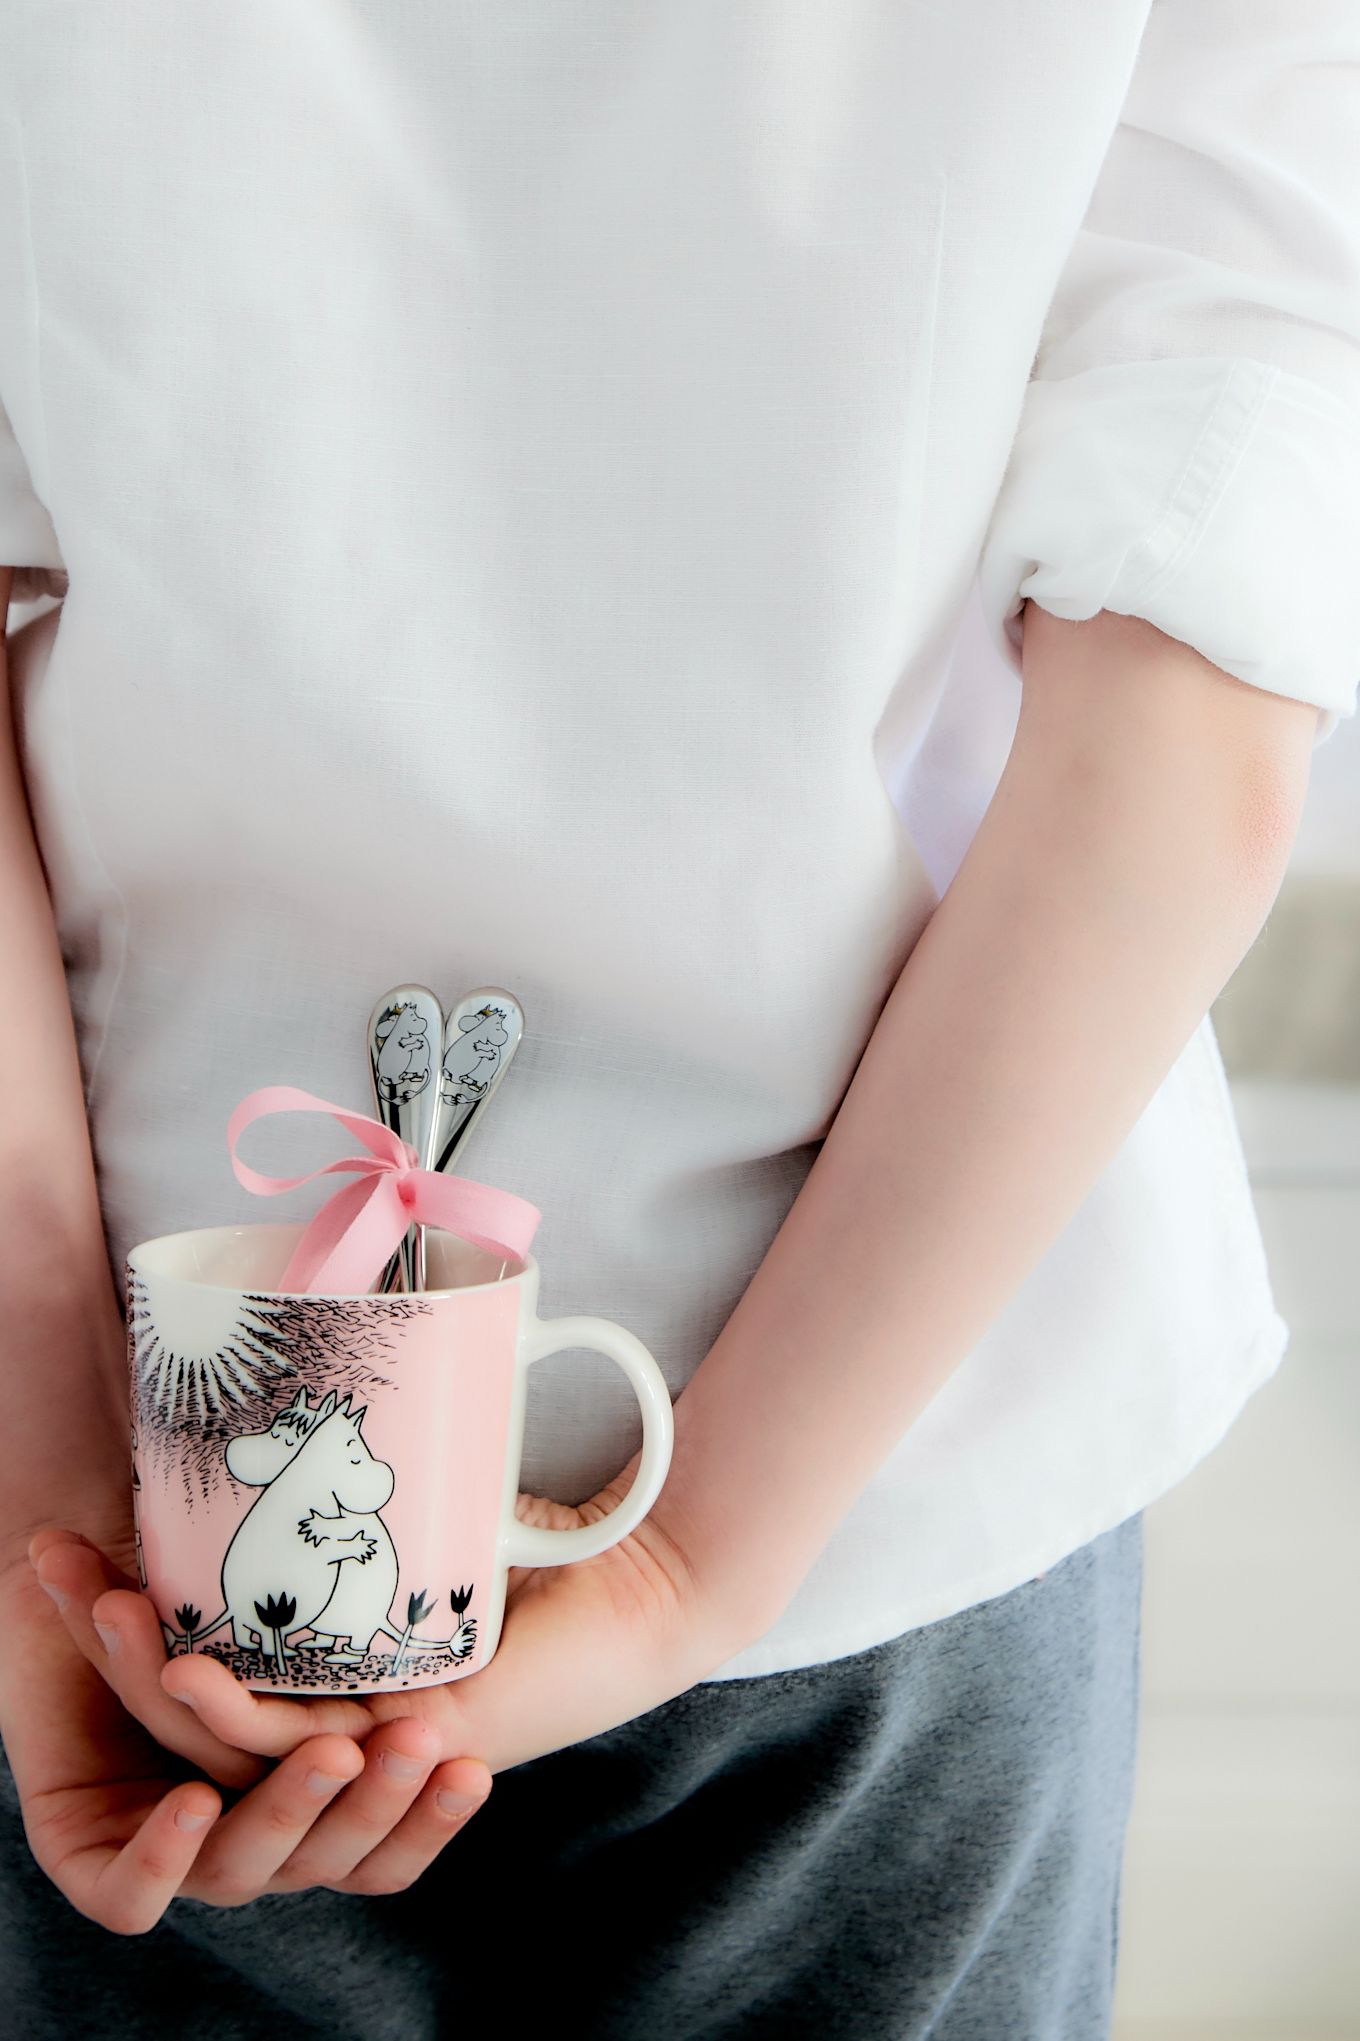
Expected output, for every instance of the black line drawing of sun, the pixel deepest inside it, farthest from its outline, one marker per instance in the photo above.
(212, 1363)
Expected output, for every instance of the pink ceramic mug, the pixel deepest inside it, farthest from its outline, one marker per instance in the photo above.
(324, 1486)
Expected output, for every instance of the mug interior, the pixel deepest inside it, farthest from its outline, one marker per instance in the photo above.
(254, 1257)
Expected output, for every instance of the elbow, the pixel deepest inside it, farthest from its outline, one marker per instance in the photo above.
(1271, 789)
(1151, 723)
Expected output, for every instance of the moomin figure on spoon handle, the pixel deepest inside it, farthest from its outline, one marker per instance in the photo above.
(481, 1036)
(405, 1036)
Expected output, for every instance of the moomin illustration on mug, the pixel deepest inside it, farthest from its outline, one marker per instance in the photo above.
(282, 1525)
(324, 1486)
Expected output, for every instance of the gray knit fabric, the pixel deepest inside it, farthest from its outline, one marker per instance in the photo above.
(921, 1840)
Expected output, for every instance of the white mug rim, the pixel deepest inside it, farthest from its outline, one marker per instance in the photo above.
(527, 1269)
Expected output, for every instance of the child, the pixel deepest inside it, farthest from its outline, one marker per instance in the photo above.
(511, 479)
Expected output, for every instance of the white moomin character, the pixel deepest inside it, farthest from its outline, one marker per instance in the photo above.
(312, 1550)
(405, 1056)
(470, 1063)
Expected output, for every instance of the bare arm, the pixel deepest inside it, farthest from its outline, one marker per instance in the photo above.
(1126, 864)
(63, 1368)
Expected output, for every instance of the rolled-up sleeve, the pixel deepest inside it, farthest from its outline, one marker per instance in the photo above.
(1188, 449)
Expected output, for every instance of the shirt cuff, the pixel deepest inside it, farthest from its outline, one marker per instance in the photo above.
(1219, 499)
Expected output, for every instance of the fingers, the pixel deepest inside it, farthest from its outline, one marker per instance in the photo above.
(127, 1890)
(119, 1632)
(270, 1724)
(52, 1535)
(450, 1797)
(332, 1815)
(329, 1814)
(254, 1838)
(389, 1825)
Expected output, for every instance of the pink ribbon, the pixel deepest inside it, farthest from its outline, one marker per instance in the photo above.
(351, 1239)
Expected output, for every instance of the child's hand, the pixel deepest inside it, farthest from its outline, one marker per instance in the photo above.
(584, 1647)
(104, 1805)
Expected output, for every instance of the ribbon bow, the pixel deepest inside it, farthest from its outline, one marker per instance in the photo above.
(351, 1239)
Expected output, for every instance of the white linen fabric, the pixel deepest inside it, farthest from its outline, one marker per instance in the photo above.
(515, 475)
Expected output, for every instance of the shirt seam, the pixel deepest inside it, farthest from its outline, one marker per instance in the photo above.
(1183, 503)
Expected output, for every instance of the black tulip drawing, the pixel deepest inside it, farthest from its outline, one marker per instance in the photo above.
(188, 1619)
(459, 1597)
(276, 1612)
(417, 1609)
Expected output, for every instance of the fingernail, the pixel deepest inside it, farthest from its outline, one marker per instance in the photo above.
(458, 1803)
(108, 1637)
(57, 1594)
(187, 1699)
(184, 1819)
(322, 1783)
(400, 1767)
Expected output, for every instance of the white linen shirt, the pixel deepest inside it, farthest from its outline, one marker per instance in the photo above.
(516, 475)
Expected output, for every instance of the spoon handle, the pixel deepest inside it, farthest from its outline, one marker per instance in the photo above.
(481, 1036)
(405, 1038)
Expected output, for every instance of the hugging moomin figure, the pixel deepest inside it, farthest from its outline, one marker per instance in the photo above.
(312, 1552)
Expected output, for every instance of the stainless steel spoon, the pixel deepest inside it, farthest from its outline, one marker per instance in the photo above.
(405, 1041)
(481, 1036)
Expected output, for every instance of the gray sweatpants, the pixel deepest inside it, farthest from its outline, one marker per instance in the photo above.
(924, 1839)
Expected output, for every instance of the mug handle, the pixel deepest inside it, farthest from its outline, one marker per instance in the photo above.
(531, 1544)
